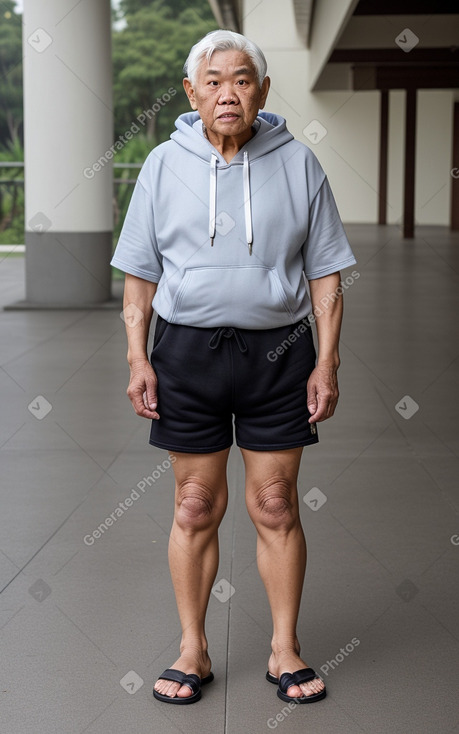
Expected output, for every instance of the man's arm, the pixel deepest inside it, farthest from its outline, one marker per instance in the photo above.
(323, 382)
(138, 311)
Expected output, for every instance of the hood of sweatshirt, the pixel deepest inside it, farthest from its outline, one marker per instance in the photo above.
(270, 132)
(275, 185)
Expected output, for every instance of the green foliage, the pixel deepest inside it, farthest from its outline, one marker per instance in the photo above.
(199, 7)
(134, 152)
(12, 151)
(10, 72)
(148, 57)
(11, 196)
(14, 233)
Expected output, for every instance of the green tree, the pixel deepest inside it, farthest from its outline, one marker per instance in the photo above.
(148, 57)
(11, 114)
(200, 7)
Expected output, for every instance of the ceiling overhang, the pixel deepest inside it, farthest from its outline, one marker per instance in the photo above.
(394, 44)
(227, 14)
(303, 17)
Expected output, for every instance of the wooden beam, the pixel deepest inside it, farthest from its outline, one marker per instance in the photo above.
(406, 7)
(455, 171)
(403, 77)
(383, 150)
(421, 77)
(410, 164)
(437, 55)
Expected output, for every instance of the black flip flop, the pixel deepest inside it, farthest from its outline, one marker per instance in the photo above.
(294, 679)
(192, 681)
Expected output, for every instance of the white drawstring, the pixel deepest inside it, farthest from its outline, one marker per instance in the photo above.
(213, 200)
(247, 203)
(213, 197)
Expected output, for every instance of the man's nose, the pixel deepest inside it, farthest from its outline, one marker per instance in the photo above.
(227, 96)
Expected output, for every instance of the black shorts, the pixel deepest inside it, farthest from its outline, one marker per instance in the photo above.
(208, 375)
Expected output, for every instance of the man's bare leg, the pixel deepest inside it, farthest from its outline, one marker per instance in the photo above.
(272, 502)
(201, 497)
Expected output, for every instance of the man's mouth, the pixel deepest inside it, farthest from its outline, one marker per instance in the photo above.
(228, 116)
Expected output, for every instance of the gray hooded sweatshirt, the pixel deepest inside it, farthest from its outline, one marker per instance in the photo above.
(232, 244)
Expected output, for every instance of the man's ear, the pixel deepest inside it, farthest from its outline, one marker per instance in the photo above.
(189, 91)
(264, 91)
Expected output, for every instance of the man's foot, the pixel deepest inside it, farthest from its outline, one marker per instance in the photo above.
(289, 662)
(190, 662)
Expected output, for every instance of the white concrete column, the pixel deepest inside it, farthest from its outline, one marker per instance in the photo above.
(68, 126)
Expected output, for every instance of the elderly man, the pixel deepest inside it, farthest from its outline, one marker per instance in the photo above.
(227, 223)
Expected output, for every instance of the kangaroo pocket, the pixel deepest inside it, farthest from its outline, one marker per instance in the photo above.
(248, 297)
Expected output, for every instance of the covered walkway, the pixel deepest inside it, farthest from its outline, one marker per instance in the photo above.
(88, 617)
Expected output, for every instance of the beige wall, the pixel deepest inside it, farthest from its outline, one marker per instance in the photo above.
(349, 150)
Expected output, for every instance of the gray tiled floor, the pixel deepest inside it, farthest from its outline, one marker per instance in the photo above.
(382, 567)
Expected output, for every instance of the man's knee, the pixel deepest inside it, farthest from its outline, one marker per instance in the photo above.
(272, 504)
(195, 505)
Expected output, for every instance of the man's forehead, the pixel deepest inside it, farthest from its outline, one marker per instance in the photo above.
(237, 62)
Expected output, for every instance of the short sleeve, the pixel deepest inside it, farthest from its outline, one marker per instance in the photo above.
(326, 249)
(137, 251)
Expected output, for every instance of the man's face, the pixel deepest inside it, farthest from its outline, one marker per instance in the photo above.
(227, 94)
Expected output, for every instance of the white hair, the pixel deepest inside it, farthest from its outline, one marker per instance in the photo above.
(223, 40)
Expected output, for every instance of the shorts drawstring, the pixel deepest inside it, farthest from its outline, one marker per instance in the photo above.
(227, 332)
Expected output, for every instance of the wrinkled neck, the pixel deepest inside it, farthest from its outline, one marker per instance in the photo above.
(228, 145)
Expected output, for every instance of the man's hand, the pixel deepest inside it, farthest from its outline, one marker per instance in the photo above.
(327, 302)
(142, 389)
(323, 392)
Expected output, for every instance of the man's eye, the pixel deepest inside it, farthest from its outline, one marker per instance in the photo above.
(241, 82)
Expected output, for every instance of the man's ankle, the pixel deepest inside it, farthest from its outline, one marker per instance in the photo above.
(194, 646)
(285, 646)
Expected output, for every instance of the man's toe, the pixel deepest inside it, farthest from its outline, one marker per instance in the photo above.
(184, 692)
(304, 689)
(294, 692)
(167, 688)
(310, 688)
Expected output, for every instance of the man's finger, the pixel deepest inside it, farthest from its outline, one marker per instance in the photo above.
(151, 397)
(321, 411)
(137, 401)
(142, 409)
(137, 398)
(150, 401)
(311, 399)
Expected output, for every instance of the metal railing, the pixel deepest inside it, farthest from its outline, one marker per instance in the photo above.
(12, 203)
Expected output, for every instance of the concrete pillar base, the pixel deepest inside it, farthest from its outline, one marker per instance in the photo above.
(68, 125)
(68, 267)
(68, 270)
